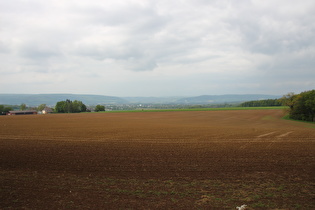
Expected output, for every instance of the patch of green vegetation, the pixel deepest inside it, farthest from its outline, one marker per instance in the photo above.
(268, 117)
(307, 123)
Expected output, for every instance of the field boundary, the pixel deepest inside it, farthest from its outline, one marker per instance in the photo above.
(195, 109)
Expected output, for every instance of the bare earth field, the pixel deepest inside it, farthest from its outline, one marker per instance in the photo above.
(157, 160)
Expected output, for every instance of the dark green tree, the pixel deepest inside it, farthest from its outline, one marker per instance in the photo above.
(23, 107)
(99, 108)
(2, 112)
(41, 107)
(60, 107)
(304, 106)
(301, 106)
(78, 106)
(5, 109)
(68, 106)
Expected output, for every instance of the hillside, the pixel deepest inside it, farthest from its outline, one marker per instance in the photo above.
(52, 99)
(152, 100)
(219, 99)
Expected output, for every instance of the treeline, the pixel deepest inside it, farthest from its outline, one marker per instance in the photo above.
(262, 103)
(4, 109)
(66, 106)
(301, 106)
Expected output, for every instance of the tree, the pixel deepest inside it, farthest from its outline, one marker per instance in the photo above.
(289, 100)
(5, 109)
(2, 112)
(68, 106)
(41, 107)
(99, 108)
(60, 107)
(302, 106)
(78, 106)
(23, 107)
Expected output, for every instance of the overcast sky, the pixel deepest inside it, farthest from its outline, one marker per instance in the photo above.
(158, 47)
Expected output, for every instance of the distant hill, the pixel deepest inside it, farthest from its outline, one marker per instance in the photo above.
(152, 100)
(52, 99)
(219, 99)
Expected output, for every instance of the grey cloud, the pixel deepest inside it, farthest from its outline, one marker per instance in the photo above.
(37, 51)
(147, 35)
(4, 47)
(248, 41)
(143, 64)
(128, 15)
(271, 32)
(150, 34)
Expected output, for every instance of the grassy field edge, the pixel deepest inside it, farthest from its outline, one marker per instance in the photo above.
(195, 109)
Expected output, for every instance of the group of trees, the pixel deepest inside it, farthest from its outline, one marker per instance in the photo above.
(301, 106)
(69, 106)
(5, 109)
(75, 106)
(262, 103)
(99, 108)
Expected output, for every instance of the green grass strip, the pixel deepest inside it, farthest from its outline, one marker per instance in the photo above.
(309, 124)
(198, 109)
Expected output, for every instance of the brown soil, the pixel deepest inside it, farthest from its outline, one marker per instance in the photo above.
(157, 160)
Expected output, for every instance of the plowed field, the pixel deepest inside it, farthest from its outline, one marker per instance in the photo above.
(157, 160)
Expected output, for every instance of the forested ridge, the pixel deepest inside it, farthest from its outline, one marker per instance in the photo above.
(262, 103)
